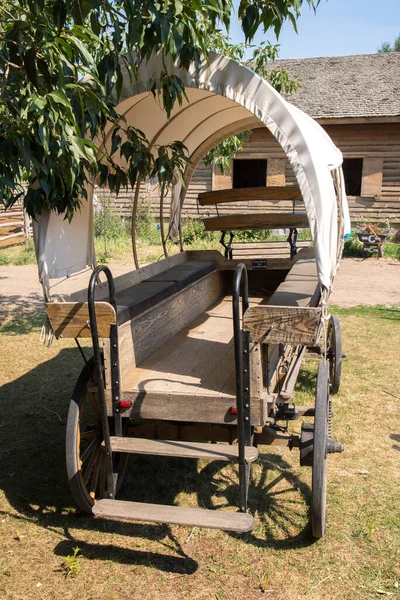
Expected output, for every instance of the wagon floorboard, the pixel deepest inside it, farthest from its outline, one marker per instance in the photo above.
(198, 360)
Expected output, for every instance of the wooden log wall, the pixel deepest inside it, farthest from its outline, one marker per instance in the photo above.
(150, 194)
(377, 144)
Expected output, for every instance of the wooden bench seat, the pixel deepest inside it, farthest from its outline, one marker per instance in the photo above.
(300, 288)
(270, 249)
(147, 294)
(244, 222)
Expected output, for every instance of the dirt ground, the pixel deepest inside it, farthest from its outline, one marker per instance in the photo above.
(358, 282)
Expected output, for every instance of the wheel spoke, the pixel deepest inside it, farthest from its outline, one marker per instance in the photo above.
(94, 444)
(90, 433)
(86, 458)
(90, 467)
(95, 404)
(93, 486)
(102, 486)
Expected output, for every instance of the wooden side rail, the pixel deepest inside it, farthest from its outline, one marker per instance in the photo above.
(71, 319)
(250, 194)
(283, 324)
(250, 221)
(191, 408)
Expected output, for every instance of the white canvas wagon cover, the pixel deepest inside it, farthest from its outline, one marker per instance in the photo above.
(224, 98)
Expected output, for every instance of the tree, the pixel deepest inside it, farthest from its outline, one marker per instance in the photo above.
(387, 47)
(59, 62)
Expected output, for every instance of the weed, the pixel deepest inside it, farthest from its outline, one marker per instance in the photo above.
(193, 231)
(264, 582)
(4, 260)
(371, 528)
(71, 563)
(23, 254)
(352, 246)
(392, 251)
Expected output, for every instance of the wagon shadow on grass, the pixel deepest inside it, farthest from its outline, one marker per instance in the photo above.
(34, 480)
(17, 315)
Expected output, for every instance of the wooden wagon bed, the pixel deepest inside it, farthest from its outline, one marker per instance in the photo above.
(197, 361)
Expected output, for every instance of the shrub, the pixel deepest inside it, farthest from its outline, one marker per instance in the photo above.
(147, 231)
(107, 223)
(352, 246)
(193, 231)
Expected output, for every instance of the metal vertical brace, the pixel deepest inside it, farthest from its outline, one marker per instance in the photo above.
(242, 364)
(111, 475)
(292, 239)
(115, 380)
(247, 403)
(227, 246)
(246, 387)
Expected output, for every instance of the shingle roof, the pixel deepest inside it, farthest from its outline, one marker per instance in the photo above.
(364, 85)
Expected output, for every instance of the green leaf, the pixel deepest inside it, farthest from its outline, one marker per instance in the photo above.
(59, 97)
(30, 66)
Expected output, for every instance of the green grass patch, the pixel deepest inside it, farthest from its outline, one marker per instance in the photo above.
(23, 254)
(380, 311)
(358, 559)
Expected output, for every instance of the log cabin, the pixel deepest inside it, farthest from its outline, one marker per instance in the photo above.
(357, 101)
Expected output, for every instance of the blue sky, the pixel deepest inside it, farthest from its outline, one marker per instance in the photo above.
(339, 27)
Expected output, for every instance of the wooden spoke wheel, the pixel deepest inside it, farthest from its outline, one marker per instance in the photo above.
(320, 450)
(85, 450)
(334, 354)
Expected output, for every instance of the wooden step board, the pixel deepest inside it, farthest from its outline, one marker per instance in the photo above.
(175, 515)
(181, 449)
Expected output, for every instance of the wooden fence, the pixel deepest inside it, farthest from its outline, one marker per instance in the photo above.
(15, 226)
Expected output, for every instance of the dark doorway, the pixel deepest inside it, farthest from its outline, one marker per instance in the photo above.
(352, 171)
(249, 173)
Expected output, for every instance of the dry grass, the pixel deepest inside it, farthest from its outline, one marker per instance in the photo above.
(358, 559)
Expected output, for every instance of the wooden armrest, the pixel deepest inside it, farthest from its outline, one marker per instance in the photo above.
(71, 319)
(283, 324)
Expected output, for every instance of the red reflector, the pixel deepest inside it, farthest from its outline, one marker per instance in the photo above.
(234, 410)
(125, 403)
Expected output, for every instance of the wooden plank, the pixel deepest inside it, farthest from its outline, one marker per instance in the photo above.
(12, 224)
(182, 449)
(7, 214)
(257, 389)
(12, 235)
(194, 353)
(250, 195)
(71, 319)
(273, 253)
(271, 437)
(122, 282)
(149, 331)
(372, 176)
(286, 393)
(183, 407)
(268, 245)
(242, 222)
(276, 172)
(283, 324)
(175, 515)
(280, 264)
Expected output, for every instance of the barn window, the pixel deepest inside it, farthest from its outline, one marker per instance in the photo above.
(352, 171)
(248, 173)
